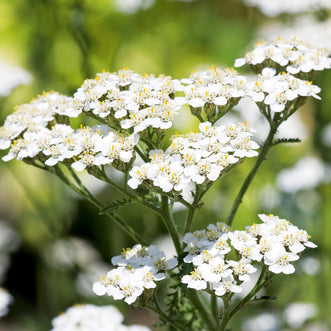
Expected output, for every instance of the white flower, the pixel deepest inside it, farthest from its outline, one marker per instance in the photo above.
(90, 317)
(226, 285)
(195, 280)
(278, 260)
(204, 257)
(242, 269)
(292, 55)
(86, 160)
(215, 270)
(144, 172)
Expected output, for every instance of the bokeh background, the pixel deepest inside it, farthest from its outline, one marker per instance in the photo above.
(54, 244)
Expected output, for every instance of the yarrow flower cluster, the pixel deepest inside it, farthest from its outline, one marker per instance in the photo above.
(90, 317)
(291, 56)
(278, 7)
(281, 91)
(275, 243)
(135, 113)
(38, 131)
(195, 159)
(138, 269)
(127, 100)
(214, 91)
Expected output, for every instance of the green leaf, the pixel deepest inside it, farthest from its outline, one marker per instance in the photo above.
(114, 206)
(286, 140)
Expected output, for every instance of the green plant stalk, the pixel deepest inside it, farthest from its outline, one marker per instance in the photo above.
(102, 175)
(225, 317)
(265, 149)
(204, 312)
(259, 285)
(228, 314)
(84, 192)
(170, 224)
(190, 215)
(198, 196)
(214, 307)
(165, 317)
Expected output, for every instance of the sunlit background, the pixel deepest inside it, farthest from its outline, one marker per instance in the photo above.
(53, 245)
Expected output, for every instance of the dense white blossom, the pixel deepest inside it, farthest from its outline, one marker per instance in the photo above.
(195, 159)
(292, 56)
(275, 242)
(277, 7)
(138, 268)
(90, 317)
(38, 130)
(127, 100)
(214, 91)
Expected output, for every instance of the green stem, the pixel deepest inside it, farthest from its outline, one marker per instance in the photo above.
(141, 154)
(205, 313)
(214, 307)
(266, 146)
(170, 224)
(102, 175)
(85, 193)
(156, 301)
(189, 219)
(165, 317)
(259, 285)
(225, 317)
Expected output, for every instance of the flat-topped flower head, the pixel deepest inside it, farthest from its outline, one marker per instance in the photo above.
(138, 268)
(275, 243)
(292, 56)
(195, 159)
(214, 91)
(86, 317)
(293, 7)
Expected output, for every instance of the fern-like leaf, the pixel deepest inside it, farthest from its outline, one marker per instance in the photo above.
(114, 206)
(286, 141)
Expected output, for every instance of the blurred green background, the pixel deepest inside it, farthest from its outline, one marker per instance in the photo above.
(62, 42)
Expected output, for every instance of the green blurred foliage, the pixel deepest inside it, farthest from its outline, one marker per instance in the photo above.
(62, 42)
